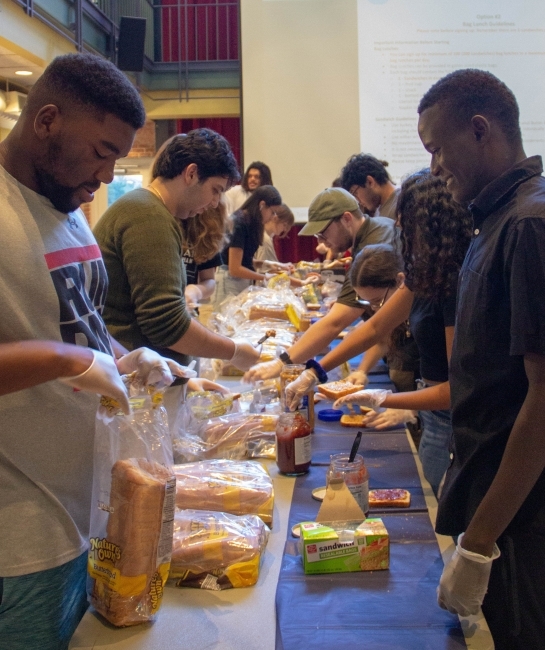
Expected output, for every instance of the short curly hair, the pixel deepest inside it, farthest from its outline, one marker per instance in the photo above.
(207, 149)
(469, 92)
(263, 169)
(359, 167)
(90, 82)
(435, 235)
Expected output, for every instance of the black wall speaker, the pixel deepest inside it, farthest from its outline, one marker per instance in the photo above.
(130, 46)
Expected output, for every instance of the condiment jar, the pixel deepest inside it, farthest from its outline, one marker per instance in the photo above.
(355, 476)
(293, 446)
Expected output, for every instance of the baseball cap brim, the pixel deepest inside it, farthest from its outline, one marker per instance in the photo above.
(315, 227)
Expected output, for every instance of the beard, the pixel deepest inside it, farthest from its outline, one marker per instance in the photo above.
(61, 196)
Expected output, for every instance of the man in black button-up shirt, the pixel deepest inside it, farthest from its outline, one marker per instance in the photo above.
(495, 486)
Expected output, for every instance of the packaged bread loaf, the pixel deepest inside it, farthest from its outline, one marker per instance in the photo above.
(236, 487)
(132, 514)
(216, 550)
(234, 436)
(129, 566)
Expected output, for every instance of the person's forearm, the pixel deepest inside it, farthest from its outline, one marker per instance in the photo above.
(25, 364)
(373, 356)
(321, 333)
(359, 340)
(207, 288)
(434, 398)
(245, 274)
(118, 349)
(201, 342)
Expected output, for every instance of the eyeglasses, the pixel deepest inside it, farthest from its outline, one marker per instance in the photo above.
(376, 304)
(320, 236)
(353, 192)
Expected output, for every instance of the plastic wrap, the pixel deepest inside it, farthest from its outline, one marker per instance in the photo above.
(237, 487)
(257, 302)
(235, 436)
(215, 550)
(132, 512)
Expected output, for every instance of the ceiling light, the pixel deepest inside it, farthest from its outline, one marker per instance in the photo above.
(23, 73)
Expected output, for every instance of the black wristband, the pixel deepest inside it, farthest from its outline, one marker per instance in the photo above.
(285, 358)
(312, 364)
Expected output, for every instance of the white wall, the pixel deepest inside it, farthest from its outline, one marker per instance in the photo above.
(300, 91)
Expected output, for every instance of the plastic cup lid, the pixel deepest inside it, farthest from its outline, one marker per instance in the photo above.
(330, 415)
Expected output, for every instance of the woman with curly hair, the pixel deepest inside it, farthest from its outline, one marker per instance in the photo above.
(435, 234)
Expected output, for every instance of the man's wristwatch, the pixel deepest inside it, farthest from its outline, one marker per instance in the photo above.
(311, 364)
(285, 358)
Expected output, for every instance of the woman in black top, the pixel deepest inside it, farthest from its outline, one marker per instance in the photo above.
(246, 237)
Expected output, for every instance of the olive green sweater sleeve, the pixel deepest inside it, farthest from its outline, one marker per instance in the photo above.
(141, 243)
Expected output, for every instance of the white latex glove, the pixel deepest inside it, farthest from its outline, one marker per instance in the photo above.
(371, 398)
(464, 582)
(386, 418)
(358, 377)
(265, 370)
(152, 369)
(306, 381)
(193, 295)
(102, 377)
(245, 355)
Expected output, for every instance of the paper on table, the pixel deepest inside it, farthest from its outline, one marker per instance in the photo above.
(339, 504)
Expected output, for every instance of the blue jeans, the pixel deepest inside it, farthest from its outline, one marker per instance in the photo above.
(434, 450)
(40, 611)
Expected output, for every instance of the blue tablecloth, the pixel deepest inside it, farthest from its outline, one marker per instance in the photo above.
(378, 610)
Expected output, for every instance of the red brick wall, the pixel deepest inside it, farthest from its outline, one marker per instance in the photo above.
(144, 142)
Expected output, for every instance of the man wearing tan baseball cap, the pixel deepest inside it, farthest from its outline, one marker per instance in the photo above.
(334, 218)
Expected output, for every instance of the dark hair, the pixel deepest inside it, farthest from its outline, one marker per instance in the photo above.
(359, 167)
(465, 93)
(285, 216)
(250, 213)
(435, 235)
(376, 265)
(337, 182)
(263, 169)
(90, 82)
(207, 149)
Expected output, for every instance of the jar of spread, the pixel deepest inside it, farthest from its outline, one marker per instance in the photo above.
(355, 476)
(293, 447)
(289, 373)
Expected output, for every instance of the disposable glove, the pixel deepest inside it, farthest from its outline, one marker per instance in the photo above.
(386, 418)
(152, 369)
(265, 370)
(306, 381)
(464, 582)
(370, 398)
(245, 355)
(102, 377)
(193, 295)
(201, 384)
(358, 377)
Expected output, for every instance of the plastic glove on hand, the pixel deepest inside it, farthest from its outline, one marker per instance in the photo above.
(299, 387)
(358, 377)
(464, 582)
(387, 418)
(102, 377)
(201, 384)
(265, 370)
(151, 368)
(245, 355)
(370, 398)
(193, 295)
